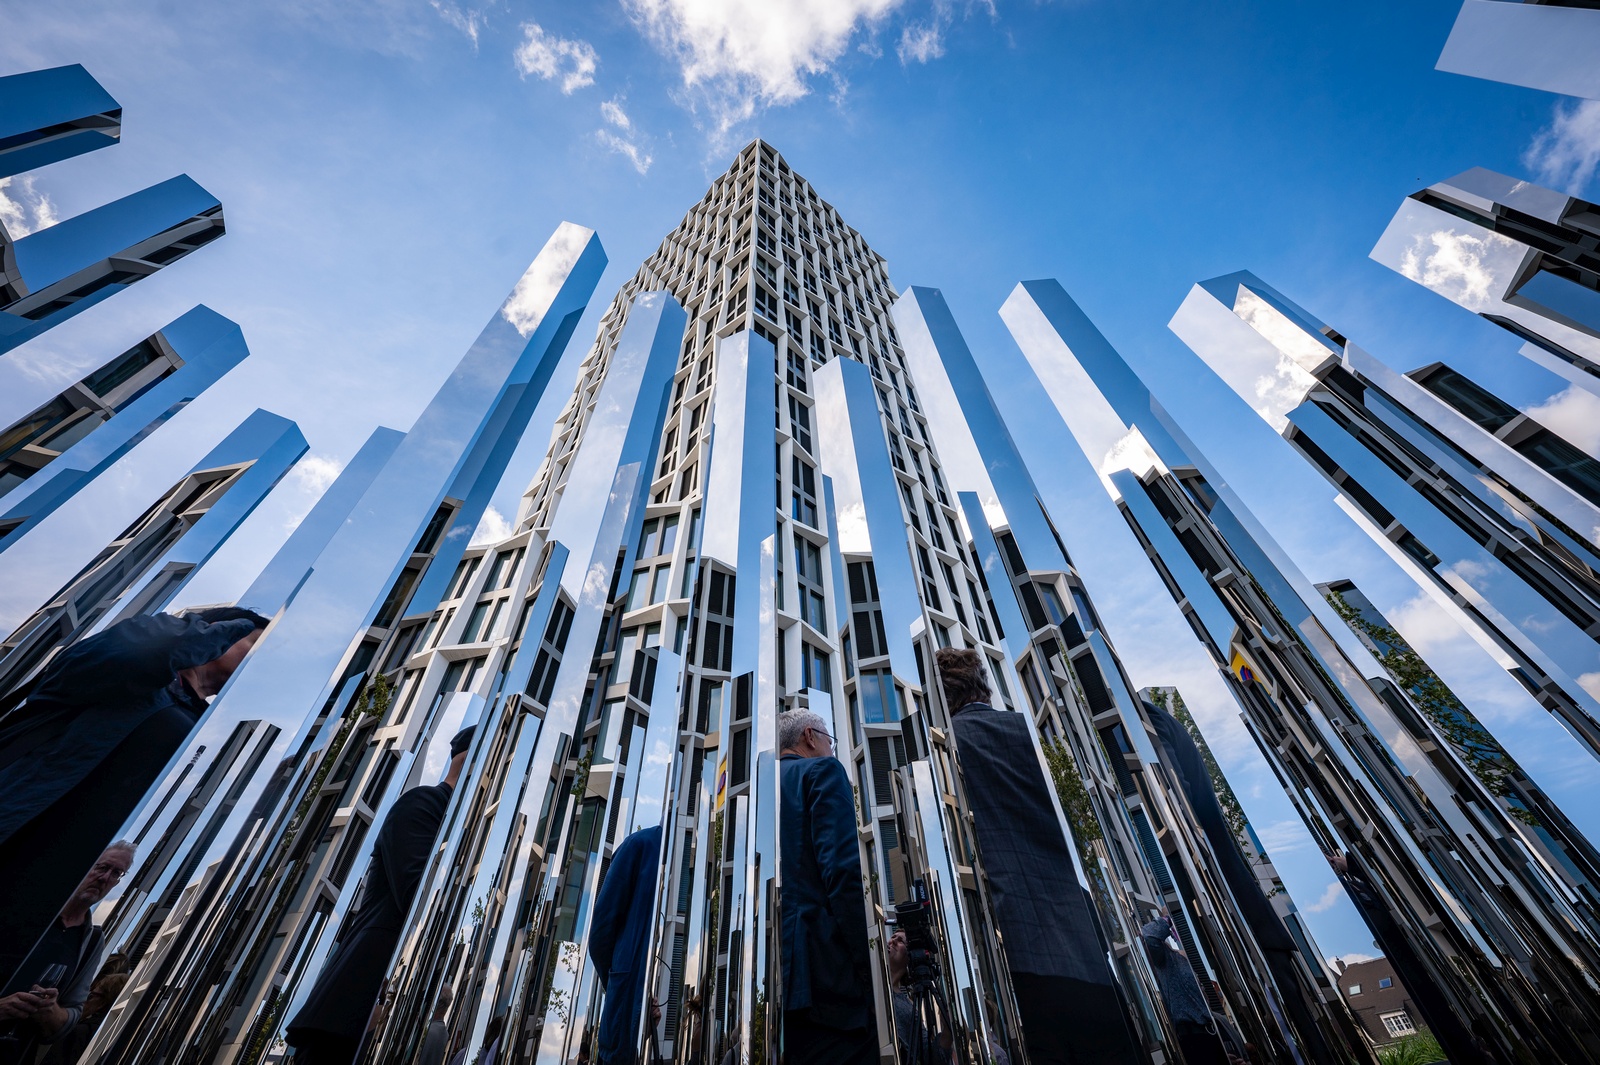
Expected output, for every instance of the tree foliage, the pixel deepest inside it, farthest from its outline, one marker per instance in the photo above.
(1485, 758)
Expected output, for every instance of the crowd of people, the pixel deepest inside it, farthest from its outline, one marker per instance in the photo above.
(106, 716)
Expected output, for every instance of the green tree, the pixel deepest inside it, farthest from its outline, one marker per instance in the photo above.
(1477, 747)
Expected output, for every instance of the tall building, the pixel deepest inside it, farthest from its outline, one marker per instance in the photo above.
(1540, 44)
(1535, 269)
(1480, 524)
(58, 448)
(1487, 929)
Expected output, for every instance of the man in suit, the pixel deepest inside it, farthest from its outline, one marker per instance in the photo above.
(329, 1027)
(1066, 996)
(827, 998)
(619, 942)
(95, 733)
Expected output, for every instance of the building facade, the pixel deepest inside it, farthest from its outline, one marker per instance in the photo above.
(1379, 1000)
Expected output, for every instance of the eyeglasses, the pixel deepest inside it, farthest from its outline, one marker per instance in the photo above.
(109, 871)
(820, 732)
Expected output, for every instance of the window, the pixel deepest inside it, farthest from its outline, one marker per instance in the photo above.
(1385, 982)
(797, 369)
(500, 573)
(879, 700)
(808, 572)
(930, 587)
(1398, 1023)
(638, 589)
(464, 572)
(1354, 989)
(800, 423)
(818, 673)
(481, 621)
(803, 505)
(658, 587)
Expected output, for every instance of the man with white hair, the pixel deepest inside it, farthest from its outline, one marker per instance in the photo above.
(827, 997)
(45, 998)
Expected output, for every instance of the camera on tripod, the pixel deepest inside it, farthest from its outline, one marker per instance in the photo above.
(914, 918)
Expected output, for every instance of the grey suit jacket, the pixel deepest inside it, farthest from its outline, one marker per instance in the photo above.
(1040, 908)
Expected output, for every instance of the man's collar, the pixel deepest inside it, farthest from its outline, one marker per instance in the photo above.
(971, 706)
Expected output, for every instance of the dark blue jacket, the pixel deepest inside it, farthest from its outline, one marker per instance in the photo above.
(825, 958)
(619, 942)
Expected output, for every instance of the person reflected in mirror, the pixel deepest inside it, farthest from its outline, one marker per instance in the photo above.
(437, 1039)
(619, 942)
(1415, 975)
(50, 992)
(69, 1047)
(1066, 996)
(94, 734)
(1198, 1037)
(828, 1017)
(329, 1026)
(917, 1043)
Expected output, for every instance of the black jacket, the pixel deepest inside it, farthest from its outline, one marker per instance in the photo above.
(825, 957)
(348, 986)
(1040, 907)
(78, 756)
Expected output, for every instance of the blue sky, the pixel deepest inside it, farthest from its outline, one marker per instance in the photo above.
(388, 168)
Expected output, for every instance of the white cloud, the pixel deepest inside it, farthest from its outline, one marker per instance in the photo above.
(1330, 898)
(24, 209)
(1566, 155)
(613, 113)
(921, 42)
(468, 22)
(640, 159)
(1283, 836)
(526, 306)
(1355, 958)
(627, 142)
(747, 53)
(310, 478)
(1572, 414)
(549, 57)
(492, 528)
(1465, 268)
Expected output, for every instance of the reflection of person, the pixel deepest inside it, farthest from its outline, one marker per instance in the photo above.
(827, 999)
(1067, 1001)
(1182, 756)
(1180, 991)
(437, 1039)
(619, 942)
(70, 1046)
(94, 734)
(1233, 1043)
(70, 950)
(916, 1042)
(329, 1026)
(1446, 1026)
